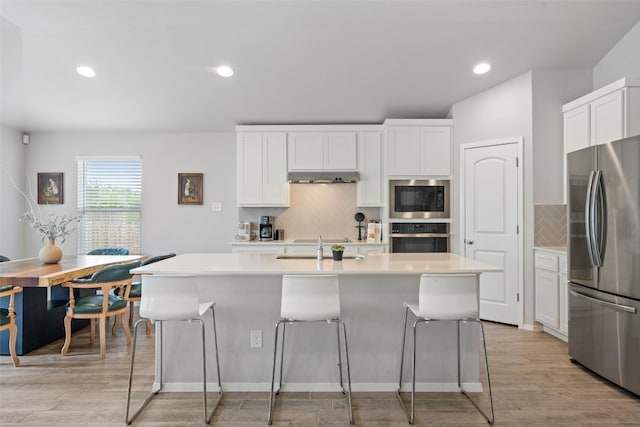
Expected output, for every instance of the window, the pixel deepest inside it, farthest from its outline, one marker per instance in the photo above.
(110, 201)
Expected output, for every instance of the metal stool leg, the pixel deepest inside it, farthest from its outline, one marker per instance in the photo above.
(273, 373)
(339, 358)
(491, 417)
(153, 393)
(404, 335)
(346, 350)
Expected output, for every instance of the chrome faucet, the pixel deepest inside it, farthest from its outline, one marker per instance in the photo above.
(320, 254)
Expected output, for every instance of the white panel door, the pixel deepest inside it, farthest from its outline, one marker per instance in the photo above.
(490, 228)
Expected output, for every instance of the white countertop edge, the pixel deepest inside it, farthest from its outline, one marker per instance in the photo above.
(293, 243)
(267, 264)
(557, 249)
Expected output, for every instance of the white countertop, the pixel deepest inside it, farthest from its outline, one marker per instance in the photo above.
(249, 264)
(294, 243)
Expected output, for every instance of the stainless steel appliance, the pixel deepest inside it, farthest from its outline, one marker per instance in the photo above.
(413, 198)
(604, 260)
(419, 237)
(265, 228)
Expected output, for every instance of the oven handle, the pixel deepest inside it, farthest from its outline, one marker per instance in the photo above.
(422, 235)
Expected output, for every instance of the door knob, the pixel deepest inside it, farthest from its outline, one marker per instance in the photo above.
(468, 242)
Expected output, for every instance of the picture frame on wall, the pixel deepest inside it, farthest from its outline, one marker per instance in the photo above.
(50, 188)
(190, 188)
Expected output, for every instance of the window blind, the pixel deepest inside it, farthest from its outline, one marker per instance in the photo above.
(110, 202)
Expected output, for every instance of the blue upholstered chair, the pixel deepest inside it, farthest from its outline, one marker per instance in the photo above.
(8, 319)
(109, 251)
(99, 306)
(133, 293)
(4, 258)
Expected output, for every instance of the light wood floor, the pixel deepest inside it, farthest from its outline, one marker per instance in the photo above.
(533, 383)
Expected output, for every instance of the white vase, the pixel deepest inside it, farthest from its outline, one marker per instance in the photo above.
(50, 253)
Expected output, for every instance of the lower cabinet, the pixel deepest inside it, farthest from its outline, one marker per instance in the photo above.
(552, 302)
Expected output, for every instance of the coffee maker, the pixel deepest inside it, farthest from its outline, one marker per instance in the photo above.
(265, 227)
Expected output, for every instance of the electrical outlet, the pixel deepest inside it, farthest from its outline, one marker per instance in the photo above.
(256, 339)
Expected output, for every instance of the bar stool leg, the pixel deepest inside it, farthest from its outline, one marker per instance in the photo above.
(404, 335)
(346, 350)
(491, 417)
(339, 358)
(273, 373)
(284, 332)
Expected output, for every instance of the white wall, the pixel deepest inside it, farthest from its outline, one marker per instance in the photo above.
(623, 60)
(551, 89)
(12, 204)
(166, 226)
(500, 112)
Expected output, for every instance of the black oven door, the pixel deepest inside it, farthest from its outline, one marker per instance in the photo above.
(420, 244)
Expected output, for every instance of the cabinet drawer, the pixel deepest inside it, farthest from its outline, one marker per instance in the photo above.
(563, 265)
(547, 261)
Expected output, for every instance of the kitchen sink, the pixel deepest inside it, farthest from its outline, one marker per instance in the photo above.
(342, 240)
(312, 256)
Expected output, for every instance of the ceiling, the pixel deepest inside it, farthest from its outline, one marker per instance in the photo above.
(296, 62)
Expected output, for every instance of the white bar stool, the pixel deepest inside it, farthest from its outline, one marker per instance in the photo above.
(442, 297)
(310, 298)
(173, 298)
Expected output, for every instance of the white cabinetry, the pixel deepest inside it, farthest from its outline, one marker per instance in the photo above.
(313, 151)
(262, 169)
(291, 248)
(607, 114)
(552, 292)
(369, 191)
(418, 147)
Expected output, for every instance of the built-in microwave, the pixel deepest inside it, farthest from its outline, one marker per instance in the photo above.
(419, 198)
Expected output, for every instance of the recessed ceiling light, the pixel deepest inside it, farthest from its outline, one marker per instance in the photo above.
(224, 71)
(85, 71)
(481, 68)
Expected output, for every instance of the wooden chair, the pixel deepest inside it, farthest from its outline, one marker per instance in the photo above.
(8, 319)
(99, 307)
(133, 293)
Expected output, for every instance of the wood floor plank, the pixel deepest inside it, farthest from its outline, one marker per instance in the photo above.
(533, 381)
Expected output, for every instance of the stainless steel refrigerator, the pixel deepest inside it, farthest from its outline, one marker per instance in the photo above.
(604, 260)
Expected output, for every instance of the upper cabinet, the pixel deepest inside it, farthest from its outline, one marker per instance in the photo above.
(313, 151)
(607, 114)
(262, 169)
(369, 191)
(418, 147)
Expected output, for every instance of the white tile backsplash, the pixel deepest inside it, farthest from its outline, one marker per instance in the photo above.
(316, 209)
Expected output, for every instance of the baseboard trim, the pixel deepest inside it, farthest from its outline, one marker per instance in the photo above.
(320, 387)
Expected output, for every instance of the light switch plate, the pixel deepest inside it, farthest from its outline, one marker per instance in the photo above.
(216, 207)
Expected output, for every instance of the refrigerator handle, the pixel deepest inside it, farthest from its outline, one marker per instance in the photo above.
(600, 221)
(608, 304)
(589, 220)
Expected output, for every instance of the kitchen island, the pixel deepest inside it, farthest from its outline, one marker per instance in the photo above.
(247, 291)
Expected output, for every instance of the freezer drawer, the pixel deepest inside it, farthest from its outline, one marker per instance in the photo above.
(604, 335)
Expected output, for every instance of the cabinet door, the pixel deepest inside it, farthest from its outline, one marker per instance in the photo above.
(340, 152)
(249, 154)
(403, 150)
(576, 128)
(305, 151)
(547, 298)
(369, 188)
(275, 189)
(435, 150)
(607, 123)
(564, 303)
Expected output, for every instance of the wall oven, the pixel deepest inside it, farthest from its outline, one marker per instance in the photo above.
(413, 198)
(419, 237)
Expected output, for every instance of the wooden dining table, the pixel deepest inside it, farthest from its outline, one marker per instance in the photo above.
(40, 307)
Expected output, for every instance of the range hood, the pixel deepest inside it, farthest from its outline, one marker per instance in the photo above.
(323, 177)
